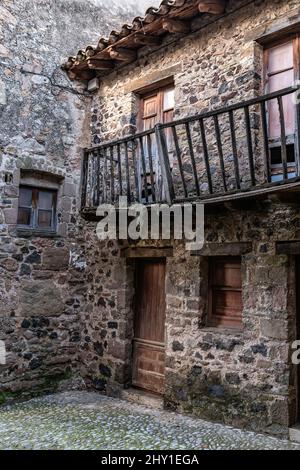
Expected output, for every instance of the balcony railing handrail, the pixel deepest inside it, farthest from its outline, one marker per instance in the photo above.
(197, 117)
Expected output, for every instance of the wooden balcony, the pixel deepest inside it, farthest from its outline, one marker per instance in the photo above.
(225, 154)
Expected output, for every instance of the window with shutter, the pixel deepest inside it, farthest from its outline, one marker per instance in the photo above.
(282, 71)
(225, 293)
(37, 208)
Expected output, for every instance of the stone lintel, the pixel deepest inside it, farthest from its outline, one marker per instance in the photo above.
(275, 29)
(224, 249)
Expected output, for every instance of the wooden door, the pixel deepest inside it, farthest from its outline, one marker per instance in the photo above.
(149, 334)
(298, 330)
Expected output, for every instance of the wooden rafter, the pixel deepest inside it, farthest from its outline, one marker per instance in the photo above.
(98, 64)
(176, 26)
(122, 54)
(146, 40)
(214, 7)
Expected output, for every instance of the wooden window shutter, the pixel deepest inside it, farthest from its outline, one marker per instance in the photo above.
(225, 293)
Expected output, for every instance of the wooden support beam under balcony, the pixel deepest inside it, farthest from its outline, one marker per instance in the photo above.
(176, 26)
(123, 55)
(214, 7)
(146, 40)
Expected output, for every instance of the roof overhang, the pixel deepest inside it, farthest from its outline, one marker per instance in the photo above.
(172, 17)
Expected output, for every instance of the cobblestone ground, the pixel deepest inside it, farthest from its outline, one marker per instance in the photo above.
(82, 420)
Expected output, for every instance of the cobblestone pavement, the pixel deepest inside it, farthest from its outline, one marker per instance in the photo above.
(82, 420)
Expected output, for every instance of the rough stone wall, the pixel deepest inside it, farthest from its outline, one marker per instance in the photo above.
(245, 378)
(43, 126)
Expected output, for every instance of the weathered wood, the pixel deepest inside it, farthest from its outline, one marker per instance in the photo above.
(220, 151)
(288, 248)
(192, 155)
(224, 249)
(135, 169)
(150, 157)
(148, 368)
(104, 185)
(122, 54)
(84, 173)
(205, 154)
(179, 159)
(128, 188)
(267, 158)
(234, 150)
(283, 138)
(146, 40)
(176, 26)
(250, 146)
(98, 64)
(98, 186)
(144, 168)
(162, 147)
(214, 7)
(120, 169)
(112, 175)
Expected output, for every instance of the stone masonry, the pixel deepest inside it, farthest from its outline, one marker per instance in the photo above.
(245, 379)
(44, 127)
(67, 302)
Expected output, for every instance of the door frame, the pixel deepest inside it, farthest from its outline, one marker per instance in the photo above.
(297, 324)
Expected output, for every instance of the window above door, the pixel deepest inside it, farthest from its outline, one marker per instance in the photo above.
(156, 106)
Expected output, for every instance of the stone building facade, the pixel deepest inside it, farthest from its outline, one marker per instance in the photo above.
(44, 126)
(245, 376)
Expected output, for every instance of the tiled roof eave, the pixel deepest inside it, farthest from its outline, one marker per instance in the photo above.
(121, 47)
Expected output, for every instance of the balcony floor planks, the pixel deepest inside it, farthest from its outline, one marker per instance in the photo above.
(291, 187)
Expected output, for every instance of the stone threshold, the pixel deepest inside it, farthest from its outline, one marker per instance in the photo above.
(294, 433)
(141, 397)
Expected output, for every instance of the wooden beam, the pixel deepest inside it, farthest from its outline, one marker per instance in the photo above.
(176, 26)
(98, 64)
(145, 40)
(122, 54)
(288, 248)
(214, 7)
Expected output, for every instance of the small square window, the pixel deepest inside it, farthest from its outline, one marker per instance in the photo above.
(225, 293)
(37, 208)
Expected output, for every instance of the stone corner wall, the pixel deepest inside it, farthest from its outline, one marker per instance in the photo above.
(44, 126)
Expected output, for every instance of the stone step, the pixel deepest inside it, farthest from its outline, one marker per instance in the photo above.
(141, 397)
(295, 433)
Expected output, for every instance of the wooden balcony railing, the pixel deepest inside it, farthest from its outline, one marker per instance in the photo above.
(204, 157)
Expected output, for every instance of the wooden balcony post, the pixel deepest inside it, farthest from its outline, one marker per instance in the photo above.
(162, 147)
(84, 175)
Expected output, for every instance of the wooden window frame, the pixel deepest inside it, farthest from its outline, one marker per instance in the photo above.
(159, 90)
(291, 139)
(212, 321)
(35, 210)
